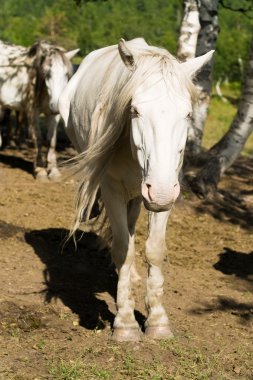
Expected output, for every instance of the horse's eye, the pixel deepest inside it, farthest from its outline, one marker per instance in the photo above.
(181, 151)
(189, 116)
(134, 112)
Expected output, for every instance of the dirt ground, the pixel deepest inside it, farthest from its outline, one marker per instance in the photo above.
(57, 303)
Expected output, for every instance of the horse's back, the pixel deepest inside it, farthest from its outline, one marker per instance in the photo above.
(87, 69)
(14, 75)
(11, 53)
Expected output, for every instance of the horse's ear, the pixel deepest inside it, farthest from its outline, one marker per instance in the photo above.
(126, 55)
(70, 54)
(192, 66)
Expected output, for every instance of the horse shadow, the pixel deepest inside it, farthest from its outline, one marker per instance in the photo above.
(75, 274)
(16, 162)
(24, 159)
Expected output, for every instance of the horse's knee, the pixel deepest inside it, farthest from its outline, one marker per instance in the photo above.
(155, 251)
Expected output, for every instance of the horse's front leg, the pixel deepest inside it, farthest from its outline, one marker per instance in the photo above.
(157, 324)
(133, 211)
(125, 327)
(52, 124)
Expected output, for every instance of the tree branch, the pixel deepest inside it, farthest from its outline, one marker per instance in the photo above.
(240, 9)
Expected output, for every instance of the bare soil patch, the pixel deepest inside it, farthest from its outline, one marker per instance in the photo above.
(57, 302)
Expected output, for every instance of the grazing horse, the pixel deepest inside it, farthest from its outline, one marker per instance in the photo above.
(31, 81)
(126, 111)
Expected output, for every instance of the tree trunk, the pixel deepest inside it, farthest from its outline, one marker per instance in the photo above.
(224, 153)
(189, 31)
(208, 17)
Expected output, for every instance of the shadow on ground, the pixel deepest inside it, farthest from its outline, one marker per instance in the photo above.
(234, 204)
(76, 275)
(17, 162)
(22, 158)
(229, 207)
(239, 264)
(227, 305)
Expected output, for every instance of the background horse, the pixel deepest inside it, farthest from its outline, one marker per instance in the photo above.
(31, 81)
(126, 112)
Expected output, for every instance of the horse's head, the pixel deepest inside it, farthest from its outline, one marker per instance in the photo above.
(53, 70)
(160, 107)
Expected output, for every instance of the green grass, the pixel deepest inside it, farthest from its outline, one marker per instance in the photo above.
(170, 360)
(67, 370)
(220, 116)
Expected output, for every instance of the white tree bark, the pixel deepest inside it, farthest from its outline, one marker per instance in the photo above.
(189, 31)
(208, 17)
(224, 153)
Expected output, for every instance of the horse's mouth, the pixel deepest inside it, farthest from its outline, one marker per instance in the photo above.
(155, 207)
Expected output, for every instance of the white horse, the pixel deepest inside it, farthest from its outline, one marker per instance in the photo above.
(31, 81)
(126, 111)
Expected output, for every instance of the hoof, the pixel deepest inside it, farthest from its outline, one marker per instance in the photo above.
(54, 175)
(159, 332)
(126, 335)
(41, 175)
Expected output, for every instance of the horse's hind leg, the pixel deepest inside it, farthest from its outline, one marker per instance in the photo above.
(125, 325)
(10, 141)
(52, 124)
(157, 324)
(33, 123)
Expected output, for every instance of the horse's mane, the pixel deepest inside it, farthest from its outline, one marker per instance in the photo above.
(110, 119)
(42, 50)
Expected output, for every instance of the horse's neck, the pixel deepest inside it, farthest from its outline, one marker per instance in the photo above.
(42, 99)
(124, 168)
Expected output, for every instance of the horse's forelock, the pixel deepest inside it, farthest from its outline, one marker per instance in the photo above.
(119, 84)
(151, 61)
(155, 60)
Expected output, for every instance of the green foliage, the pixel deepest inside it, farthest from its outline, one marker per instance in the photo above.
(96, 23)
(233, 44)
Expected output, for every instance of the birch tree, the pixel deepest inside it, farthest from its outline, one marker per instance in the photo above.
(207, 36)
(224, 153)
(189, 31)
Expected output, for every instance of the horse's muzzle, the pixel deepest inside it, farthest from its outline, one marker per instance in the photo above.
(155, 207)
(54, 109)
